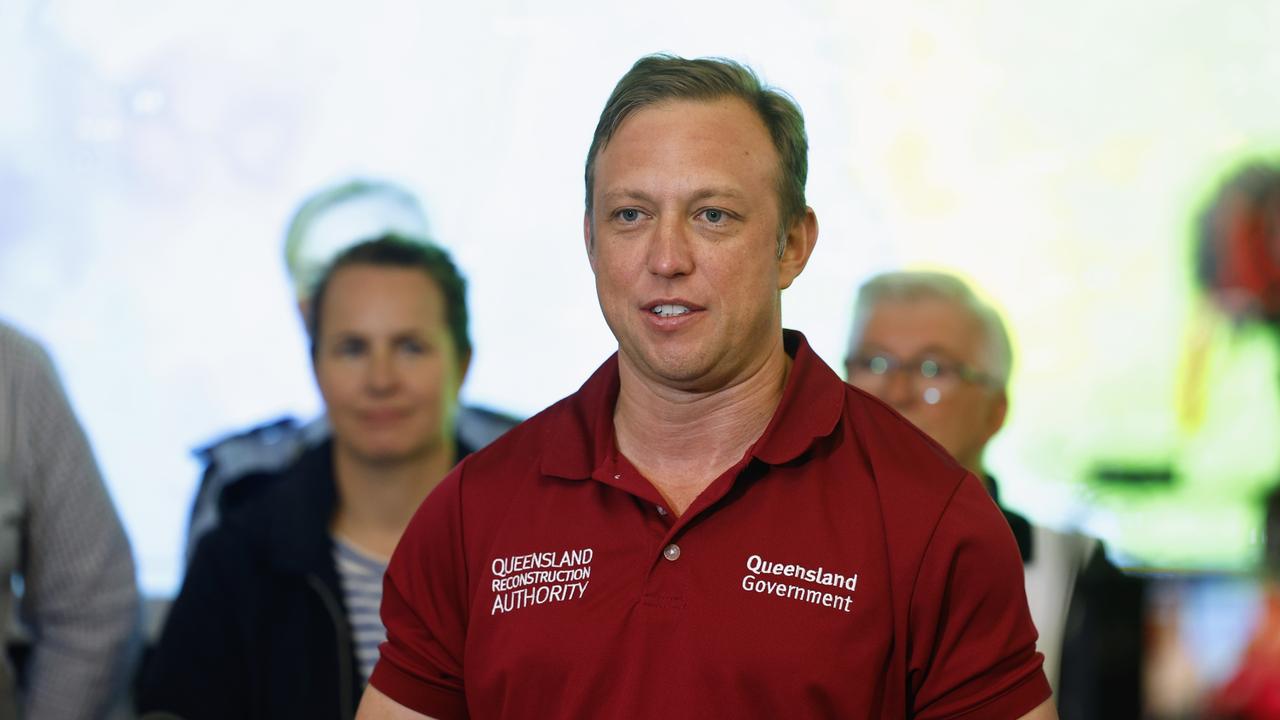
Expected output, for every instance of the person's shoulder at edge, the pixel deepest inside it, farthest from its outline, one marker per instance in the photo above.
(252, 526)
(12, 337)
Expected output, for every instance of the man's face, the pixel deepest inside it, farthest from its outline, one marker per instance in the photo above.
(386, 363)
(683, 242)
(961, 415)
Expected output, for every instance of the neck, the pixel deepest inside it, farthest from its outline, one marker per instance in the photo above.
(376, 500)
(974, 465)
(681, 441)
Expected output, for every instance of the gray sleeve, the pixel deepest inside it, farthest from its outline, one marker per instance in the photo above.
(80, 598)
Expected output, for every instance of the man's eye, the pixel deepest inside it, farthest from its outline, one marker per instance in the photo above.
(713, 215)
(349, 348)
(629, 215)
(413, 347)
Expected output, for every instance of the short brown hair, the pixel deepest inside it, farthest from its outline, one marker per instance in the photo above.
(395, 251)
(659, 78)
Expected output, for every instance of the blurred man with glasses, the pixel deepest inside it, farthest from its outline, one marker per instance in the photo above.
(924, 343)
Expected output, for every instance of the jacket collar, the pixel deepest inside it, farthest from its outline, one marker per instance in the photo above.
(299, 511)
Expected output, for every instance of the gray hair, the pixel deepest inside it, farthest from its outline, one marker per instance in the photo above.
(907, 286)
(390, 209)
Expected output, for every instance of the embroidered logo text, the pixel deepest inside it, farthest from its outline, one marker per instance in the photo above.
(521, 581)
(761, 578)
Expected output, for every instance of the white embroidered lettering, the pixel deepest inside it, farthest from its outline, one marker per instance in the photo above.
(521, 581)
(757, 566)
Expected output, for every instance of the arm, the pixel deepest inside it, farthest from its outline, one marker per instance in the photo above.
(973, 646)
(376, 706)
(80, 598)
(1044, 711)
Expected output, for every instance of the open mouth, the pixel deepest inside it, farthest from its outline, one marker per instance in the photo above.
(667, 311)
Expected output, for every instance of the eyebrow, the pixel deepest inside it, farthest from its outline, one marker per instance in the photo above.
(930, 349)
(394, 335)
(613, 196)
(725, 192)
(625, 194)
(934, 349)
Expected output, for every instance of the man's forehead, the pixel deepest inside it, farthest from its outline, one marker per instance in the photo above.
(920, 324)
(722, 136)
(684, 116)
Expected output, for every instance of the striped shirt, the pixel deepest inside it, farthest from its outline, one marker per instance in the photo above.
(360, 575)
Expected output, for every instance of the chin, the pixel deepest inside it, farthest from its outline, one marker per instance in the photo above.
(677, 369)
(387, 452)
(670, 359)
(690, 377)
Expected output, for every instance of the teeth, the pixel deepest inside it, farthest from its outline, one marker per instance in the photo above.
(669, 310)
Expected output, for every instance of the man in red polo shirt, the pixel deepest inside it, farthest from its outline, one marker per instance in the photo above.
(714, 524)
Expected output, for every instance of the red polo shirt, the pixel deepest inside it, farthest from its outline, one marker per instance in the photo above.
(846, 567)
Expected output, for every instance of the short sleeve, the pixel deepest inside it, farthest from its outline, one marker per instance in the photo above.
(424, 608)
(972, 647)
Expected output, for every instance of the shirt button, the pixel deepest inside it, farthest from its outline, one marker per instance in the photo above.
(662, 511)
(671, 552)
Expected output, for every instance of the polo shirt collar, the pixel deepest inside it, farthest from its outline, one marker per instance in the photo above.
(810, 407)
(582, 438)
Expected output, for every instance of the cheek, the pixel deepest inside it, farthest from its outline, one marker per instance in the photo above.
(435, 382)
(746, 279)
(612, 279)
(621, 264)
(958, 423)
(337, 385)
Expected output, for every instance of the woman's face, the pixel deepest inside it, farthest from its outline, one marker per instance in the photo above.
(386, 364)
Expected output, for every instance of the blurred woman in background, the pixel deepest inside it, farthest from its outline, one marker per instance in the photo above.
(278, 616)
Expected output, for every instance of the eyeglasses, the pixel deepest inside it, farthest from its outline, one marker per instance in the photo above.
(929, 376)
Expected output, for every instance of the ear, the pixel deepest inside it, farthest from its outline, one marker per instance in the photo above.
(464, 365)
(588, 240)
(802, 237)
(304, 310)
(314, 357)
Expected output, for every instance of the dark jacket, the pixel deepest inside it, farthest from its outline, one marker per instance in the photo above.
(1101, 666)
(259, 629)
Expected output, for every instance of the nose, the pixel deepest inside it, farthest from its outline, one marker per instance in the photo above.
(669, 252)
(899, 390)
(380, 375)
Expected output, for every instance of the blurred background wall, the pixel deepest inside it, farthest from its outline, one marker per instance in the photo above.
(1054, 153)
